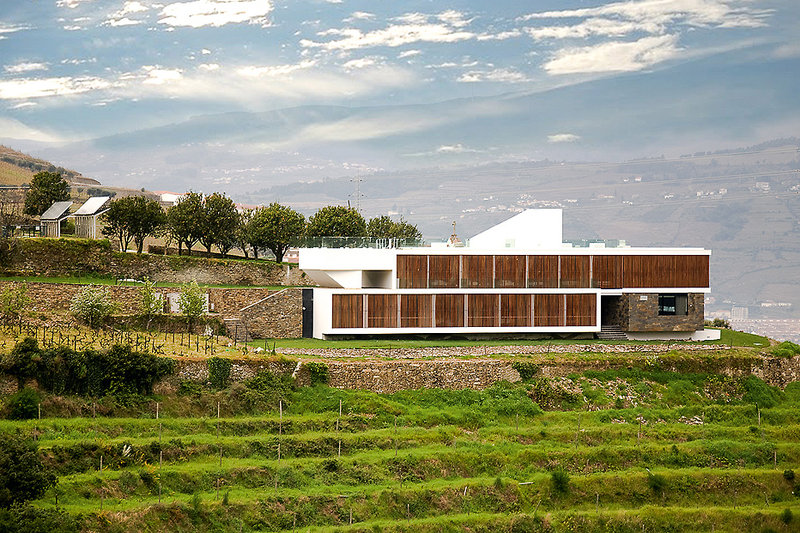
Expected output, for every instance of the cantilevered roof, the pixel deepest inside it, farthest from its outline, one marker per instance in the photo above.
(92, 205)
(56, 211)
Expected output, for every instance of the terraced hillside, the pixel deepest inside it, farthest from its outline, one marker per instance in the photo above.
(636, 449)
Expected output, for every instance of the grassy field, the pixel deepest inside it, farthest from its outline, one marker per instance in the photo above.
(728, 338)
(601, 451)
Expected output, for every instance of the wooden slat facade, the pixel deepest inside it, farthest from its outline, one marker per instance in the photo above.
(416, 310)
(483, 310)
(477, 271)
(509, 271)
(652, 271)
(412, 271)
(574, 271)
(542, 271)
(548, 310)
(552, 271)
(581, 309)
(443, 272)
(382, 311)
(515, 310)
(607, 271)
(347, 310)
(450, 311)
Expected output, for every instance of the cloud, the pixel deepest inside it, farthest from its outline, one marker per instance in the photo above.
(362, 62)
(721, 13)
(456, 149)
(499, 36)
(5, 28)
(199, 13)
(208, 66)
(71, 4)
(25, 88)
(23, 105)
(14, 129)
(408, 53)
(410, 28)
(614, 56)
(157, 75)
(360, 15)
(20, 68)
(563, 138)
(275, 70)
(499, 75)
(787, 51)
(595, 26)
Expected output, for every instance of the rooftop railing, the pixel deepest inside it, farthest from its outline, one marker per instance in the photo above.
(357, 242)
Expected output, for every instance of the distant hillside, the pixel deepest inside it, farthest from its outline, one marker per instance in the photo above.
(17, 168)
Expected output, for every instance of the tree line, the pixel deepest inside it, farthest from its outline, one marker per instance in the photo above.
(213, 221)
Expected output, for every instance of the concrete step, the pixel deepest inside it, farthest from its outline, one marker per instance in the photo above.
(611, 333)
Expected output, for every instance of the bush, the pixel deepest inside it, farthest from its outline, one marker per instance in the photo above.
(788, 475)
(559, 481)
(317, 372)
(265, 390)
(526, 369)
(785, 349)
(219, 372)
(93, 304)
(23, 477)
(656, 482)
(787, 516)
(25, 518)
(14, 301)
(24, 405)
(21, 361)
(759, 393)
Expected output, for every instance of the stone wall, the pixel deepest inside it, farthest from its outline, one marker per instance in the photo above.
(640, 314)
(73, 257)
(277, 317)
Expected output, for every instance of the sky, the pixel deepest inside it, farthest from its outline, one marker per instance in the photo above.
(72, 70)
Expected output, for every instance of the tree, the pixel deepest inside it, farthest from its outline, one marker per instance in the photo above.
(336, 221)
(218, 222)
(45, 188)
(383, 227)
(92, 304)
(242, 235)
(192, 303)
(151, 302)
(23, 477)
(184, 220)
(146, 217)
(273, 227)
(14, 301)
(117, 222)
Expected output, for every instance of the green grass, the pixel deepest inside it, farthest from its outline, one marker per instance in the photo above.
(728, 338)
(99, 280)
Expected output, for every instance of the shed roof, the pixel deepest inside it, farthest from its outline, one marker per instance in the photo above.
(92, 205)
(57, 210)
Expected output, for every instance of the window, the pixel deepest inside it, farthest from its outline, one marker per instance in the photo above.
(673, 304)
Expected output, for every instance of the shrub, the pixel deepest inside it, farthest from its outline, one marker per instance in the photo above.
(21, 361)
(24, 405)
(93, 304)
(317, 372)
(265, 390)
(26, 518)
(121, 371)
(219, 372)
(189, 388)
(787, 516)
(151, 302)
(526, 369)
(23, 477)
(759, 393)
(788, 475)
(559, 481)
(785, 349)
(656, 482)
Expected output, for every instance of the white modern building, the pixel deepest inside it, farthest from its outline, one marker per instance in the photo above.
(515, 278)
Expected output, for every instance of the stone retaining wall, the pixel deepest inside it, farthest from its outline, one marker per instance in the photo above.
(73, 257)
(278, 317)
